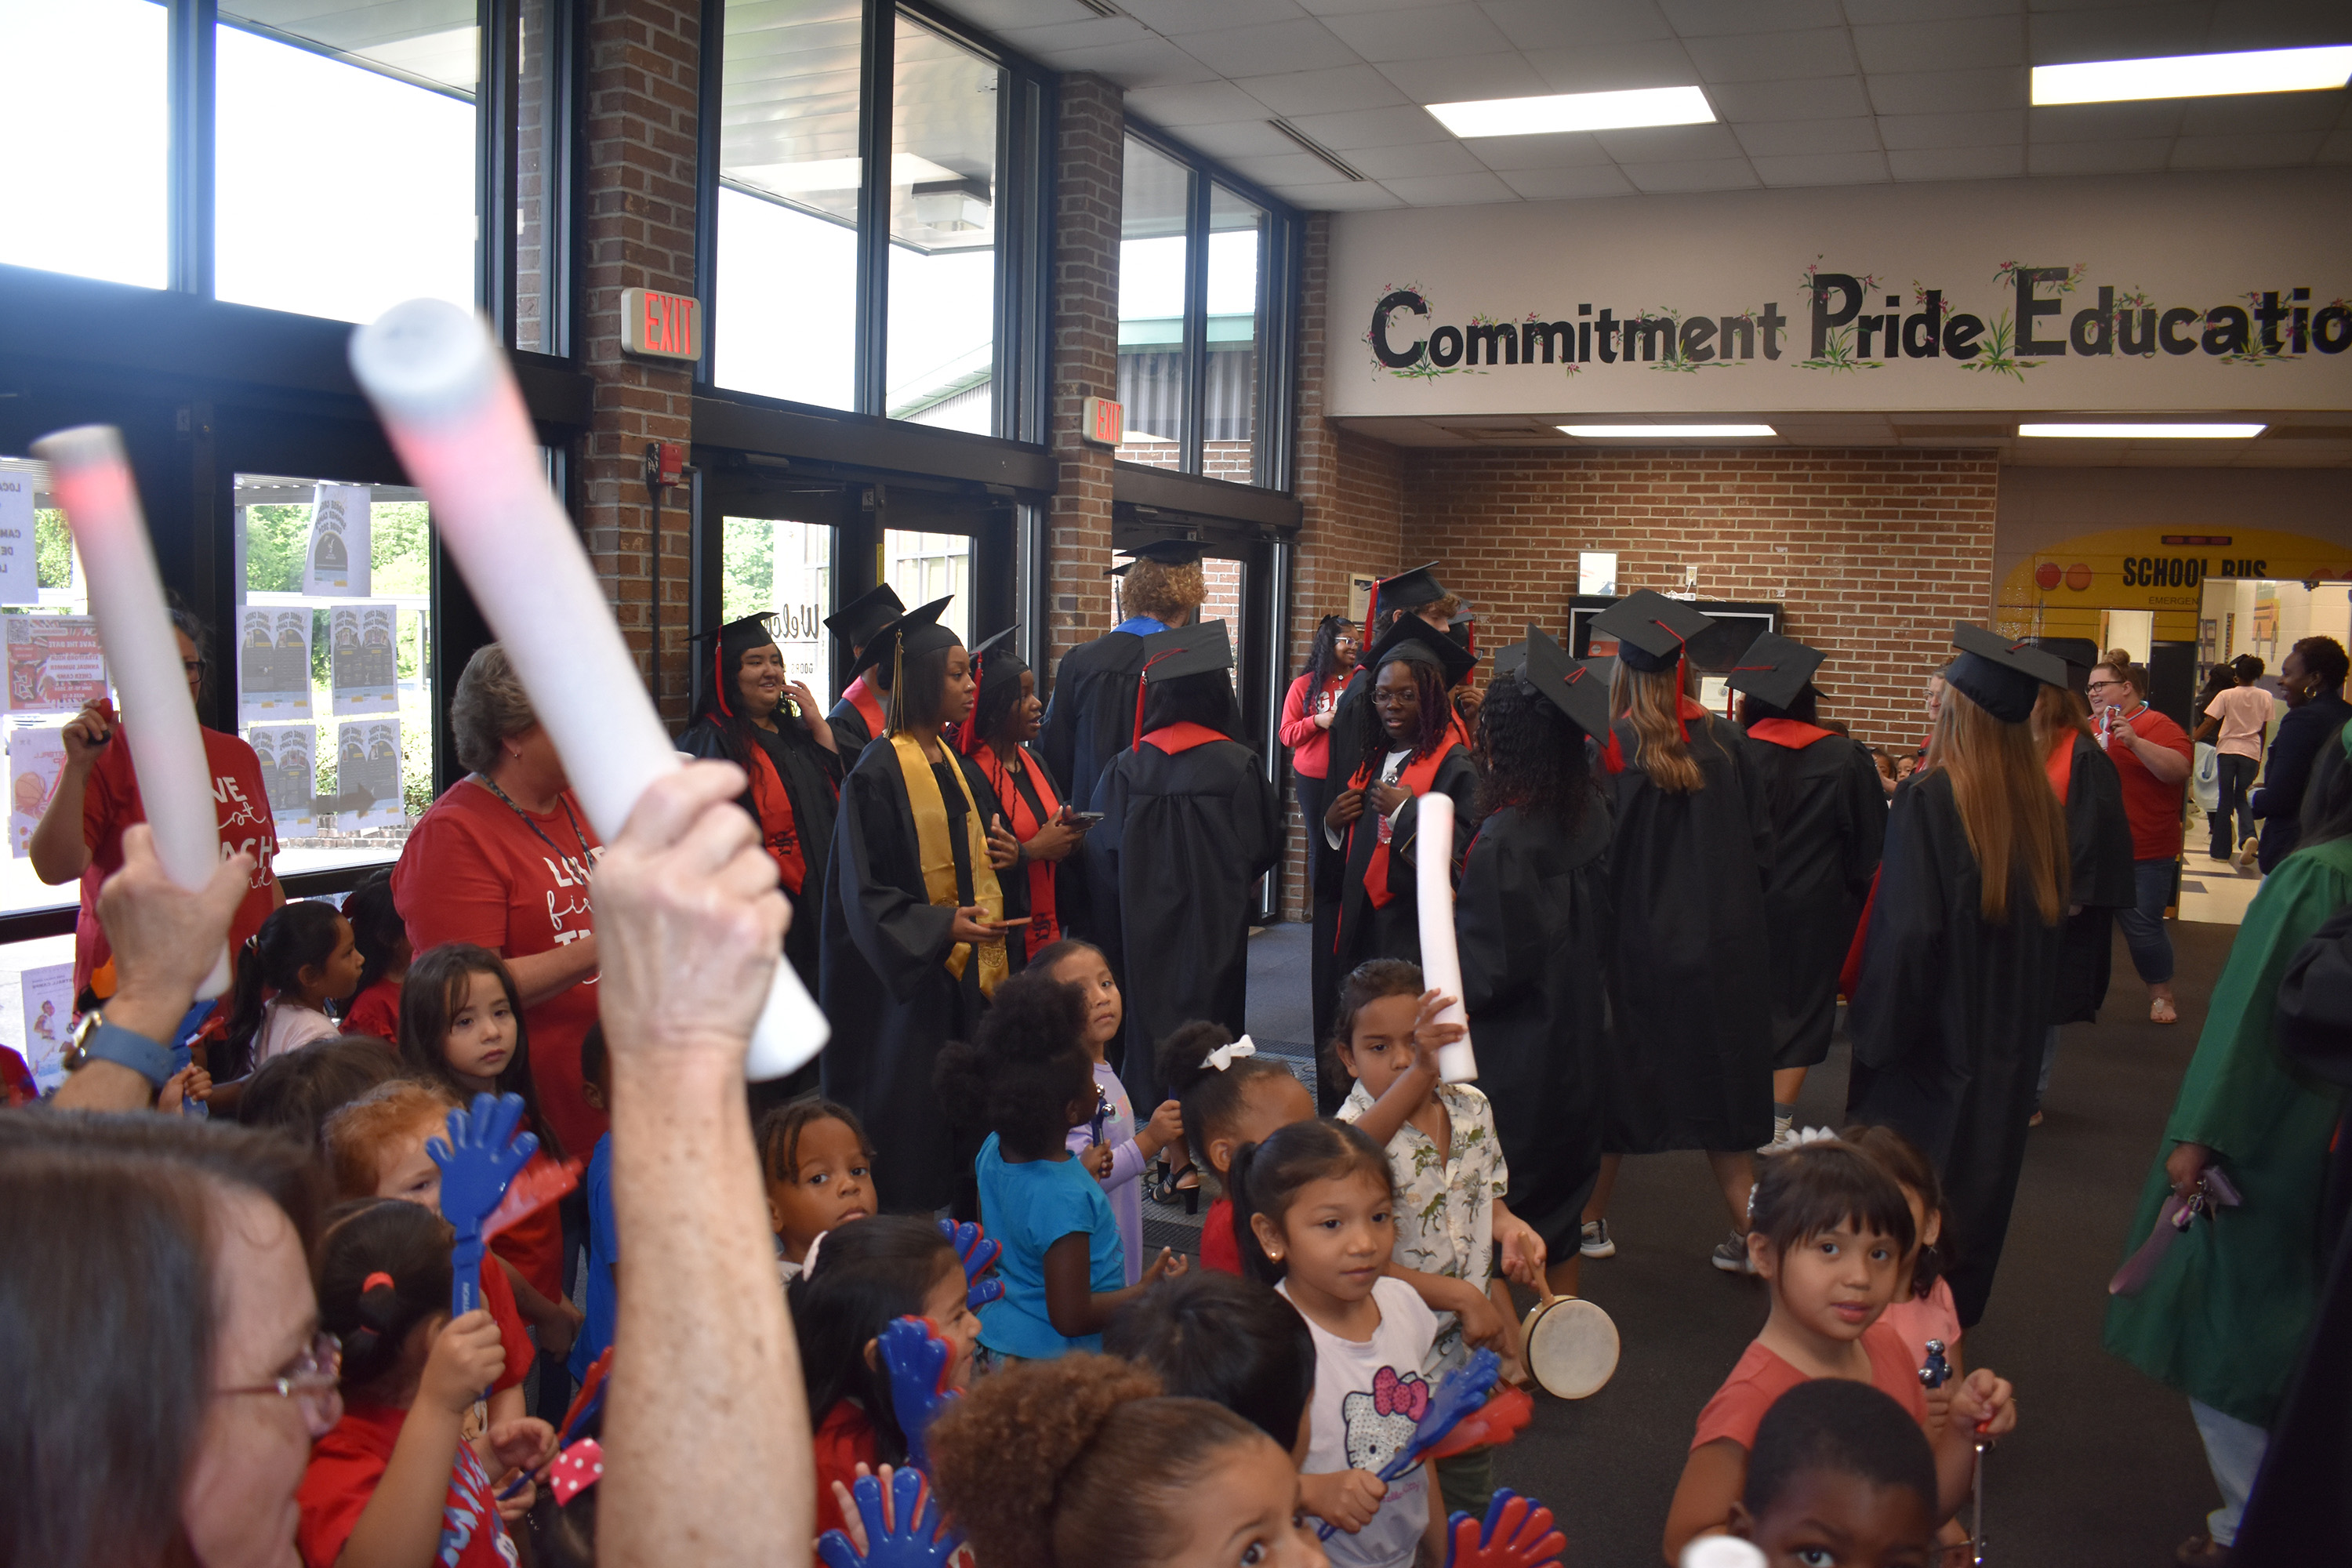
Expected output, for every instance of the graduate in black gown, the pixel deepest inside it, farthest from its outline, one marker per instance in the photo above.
(1959, 962)
(1029, 820)
(1190, 824)
(1827, 811)
(1690, 977)
(858, 718)
(1531, 919)
(1412, 742)
(2099, 857)
(913, 941)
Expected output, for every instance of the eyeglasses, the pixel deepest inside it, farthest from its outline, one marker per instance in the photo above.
(195, 667)
(312, 1381)
(2103, 684)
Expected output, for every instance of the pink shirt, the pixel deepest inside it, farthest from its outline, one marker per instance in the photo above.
(2245, 713)
(1919, 1319)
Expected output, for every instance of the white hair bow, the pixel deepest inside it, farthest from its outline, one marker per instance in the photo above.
(1225, 1057)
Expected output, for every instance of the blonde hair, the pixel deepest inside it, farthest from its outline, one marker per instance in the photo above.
(356, 1135)
(1652, 699)
(2011, 816)
(1155, 589)
(2058, 710)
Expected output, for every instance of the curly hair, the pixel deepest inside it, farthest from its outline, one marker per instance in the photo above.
(1436, 712)
(355, 1136)
(1160, 590)
(1077, 1462)
(1532, 756)
(1025, 1065)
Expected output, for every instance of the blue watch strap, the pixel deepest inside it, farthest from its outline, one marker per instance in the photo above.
(128, 1048)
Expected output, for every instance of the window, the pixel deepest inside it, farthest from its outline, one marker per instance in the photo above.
(941, 364)
(52, 666)
(1155, 256)
(329, 654)
(785, 569)
(927, 566)
(87, 94)
(539, 181)
(1232, 380)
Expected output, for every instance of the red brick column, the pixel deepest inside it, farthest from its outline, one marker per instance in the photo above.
(644, 59)
(1089, 152)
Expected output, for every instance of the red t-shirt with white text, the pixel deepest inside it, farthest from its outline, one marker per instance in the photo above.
(345, 1467)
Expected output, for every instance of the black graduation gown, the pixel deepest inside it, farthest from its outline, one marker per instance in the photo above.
(1329, 868)
(884, 985)
(1367, 933)
(1182, 842)
(851, 733)
(1690, 968)
(812, 778)
(2099, 851)
(1015, 881)
(1531, 919)
(1947, 1020)
(1828, 812)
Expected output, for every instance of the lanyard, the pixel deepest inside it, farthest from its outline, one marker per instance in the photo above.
(587, 859)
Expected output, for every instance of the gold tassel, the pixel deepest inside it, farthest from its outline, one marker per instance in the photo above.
(898, 715)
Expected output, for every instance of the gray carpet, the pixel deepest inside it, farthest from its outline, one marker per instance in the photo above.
(2105, 1468)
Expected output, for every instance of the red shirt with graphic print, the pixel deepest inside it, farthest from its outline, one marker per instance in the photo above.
(344, 1470)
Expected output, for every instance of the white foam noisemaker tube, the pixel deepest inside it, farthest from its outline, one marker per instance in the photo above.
(451, 407)
(91, 479)
(1440, 961)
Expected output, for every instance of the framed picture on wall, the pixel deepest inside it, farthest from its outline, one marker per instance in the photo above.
(1738, 622)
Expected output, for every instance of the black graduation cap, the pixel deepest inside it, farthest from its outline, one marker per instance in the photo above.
(2002, 677)
(1774, 670)
(856, 621)
(1651, 629)
(1418, 586)
(1575, 687)
(1201, 650)
(1167, 552)
(2079, 654)
(997, 659)
(1415, 640)
(741, 635)
(919, 629)
(1508, 658)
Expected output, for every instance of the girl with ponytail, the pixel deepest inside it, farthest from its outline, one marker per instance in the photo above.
(303, 957)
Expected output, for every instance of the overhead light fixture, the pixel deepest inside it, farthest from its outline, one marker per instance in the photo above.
(2195, 76)
(2146, 432)
(1576, 112)
(1655, 432)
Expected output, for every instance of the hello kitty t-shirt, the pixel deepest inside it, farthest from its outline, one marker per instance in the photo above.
(1368, 1395)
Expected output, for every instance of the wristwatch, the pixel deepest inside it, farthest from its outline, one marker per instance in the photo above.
(96, 1040)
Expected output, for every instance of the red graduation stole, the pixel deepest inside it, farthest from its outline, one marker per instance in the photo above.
(1418, 775)
(861, 697)
(1787, 732)
(2060, 765)
(1173, 739)
(1044, 929)
(778, 834)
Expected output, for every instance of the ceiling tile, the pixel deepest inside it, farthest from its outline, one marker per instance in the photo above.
(1235, 139)
(1424, 33)
(1670, 143)
(1705, 18)
(2118, 32)
(1300, 45)
(1148, 62)
(2246, 152)
(1465, 78)
(1956, 163)
(2264, 112)
(1819, 98)
(2102, 121)
(1613, 68)
(1356, 8)
(1363, 196)
(1961, 45)
(1786, 138)
(1948, 92)
(1003, 17)
(1177, 17)
(1286, 169)
(1401, 126)
(1336, 92)
(1428, 158)
(1194, 104)
(1576, 24)
(1563, 149)
(1825, 169)
(2129, 157)
(1994, 128)
(1696, 174)
(2276, 24)
(1773, 56)
(1452, 189)
(1561, 185)
(1088, 32)
(1874, 13)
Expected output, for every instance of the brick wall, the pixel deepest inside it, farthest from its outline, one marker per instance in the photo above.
(639, 232)
(1089, 152)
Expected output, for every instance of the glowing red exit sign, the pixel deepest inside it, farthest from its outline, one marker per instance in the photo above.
(1105, 422)
(662, 326)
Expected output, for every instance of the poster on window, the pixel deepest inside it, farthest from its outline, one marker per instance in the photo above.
(367, 775)
(366, 671)
(20, 576)
(289, 772)
(46, 993)
(273, 664)
(36, 758)
(336, 564)
(55, 663)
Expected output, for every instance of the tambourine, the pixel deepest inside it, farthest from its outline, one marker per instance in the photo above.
(1572, 1345)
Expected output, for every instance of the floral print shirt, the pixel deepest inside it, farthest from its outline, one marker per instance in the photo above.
(1445, 1201)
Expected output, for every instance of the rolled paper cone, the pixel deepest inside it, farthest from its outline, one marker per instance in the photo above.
(1441, 960)
(455, 418)
(91, 479)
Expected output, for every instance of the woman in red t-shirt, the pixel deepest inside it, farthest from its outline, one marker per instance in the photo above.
(2152, 756)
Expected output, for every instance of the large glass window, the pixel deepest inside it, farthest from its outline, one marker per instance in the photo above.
(1154, 271)
(53, 665)
(785, 321)
(1231, 380)
(941, 360)
(345, 163)
(927, 566)
(87, 95)
(539, 179)
(785, 569)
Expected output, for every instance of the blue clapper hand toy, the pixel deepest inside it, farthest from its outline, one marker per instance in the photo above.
(1457, 1394)
(477, 1160)
(918, 1361)
(977, 1254)
(1518, 1534)
(918, 1540)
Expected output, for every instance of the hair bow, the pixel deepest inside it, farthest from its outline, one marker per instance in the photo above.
(1225, 1057)
(1394, 1395)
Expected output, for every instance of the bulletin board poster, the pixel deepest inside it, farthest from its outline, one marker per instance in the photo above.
(367, 775)
(55, 663)
(288, 754)
(273, 664)
(35, 759)
(48, 997)
(364, 661)
(336, 563)
(20, 577)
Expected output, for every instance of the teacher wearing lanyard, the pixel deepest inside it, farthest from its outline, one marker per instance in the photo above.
(1028, 819)
(503, 860)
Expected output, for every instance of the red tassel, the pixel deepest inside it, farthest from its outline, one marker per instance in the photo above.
(718, 675)
(1613, 756)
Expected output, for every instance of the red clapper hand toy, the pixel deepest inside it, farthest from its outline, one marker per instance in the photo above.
(477, 1160)
(977, 1254)
(534, 1188)
(920, 1364)
(1518, 1534)
(1497, 1421)
(914, 1536)
(1459, 1393)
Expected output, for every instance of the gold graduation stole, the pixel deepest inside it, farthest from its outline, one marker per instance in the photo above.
(938, 855)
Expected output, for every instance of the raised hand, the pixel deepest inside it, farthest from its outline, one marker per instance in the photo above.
(477, 1160)
(977, 1254)
(1517, 1533)
(908, 1533)
(920, 1364)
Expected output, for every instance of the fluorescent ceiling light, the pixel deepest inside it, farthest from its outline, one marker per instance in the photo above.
(2195, 76)
(1576, 112)
(1651, 432)
(2147, 432)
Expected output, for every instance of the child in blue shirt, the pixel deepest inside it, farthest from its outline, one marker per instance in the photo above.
(1028, 1077)
(604, 1246)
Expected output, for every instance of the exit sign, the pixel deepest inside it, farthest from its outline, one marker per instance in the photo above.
(1106, 421)
(659, 325)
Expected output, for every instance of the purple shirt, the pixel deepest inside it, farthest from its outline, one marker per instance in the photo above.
(1125, 1193)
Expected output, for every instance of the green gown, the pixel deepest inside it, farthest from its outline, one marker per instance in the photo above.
(2225, 1316)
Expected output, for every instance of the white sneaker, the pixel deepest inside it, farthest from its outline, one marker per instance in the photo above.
(1784, 1132)
(1596, 1242)
(1731, 1256)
